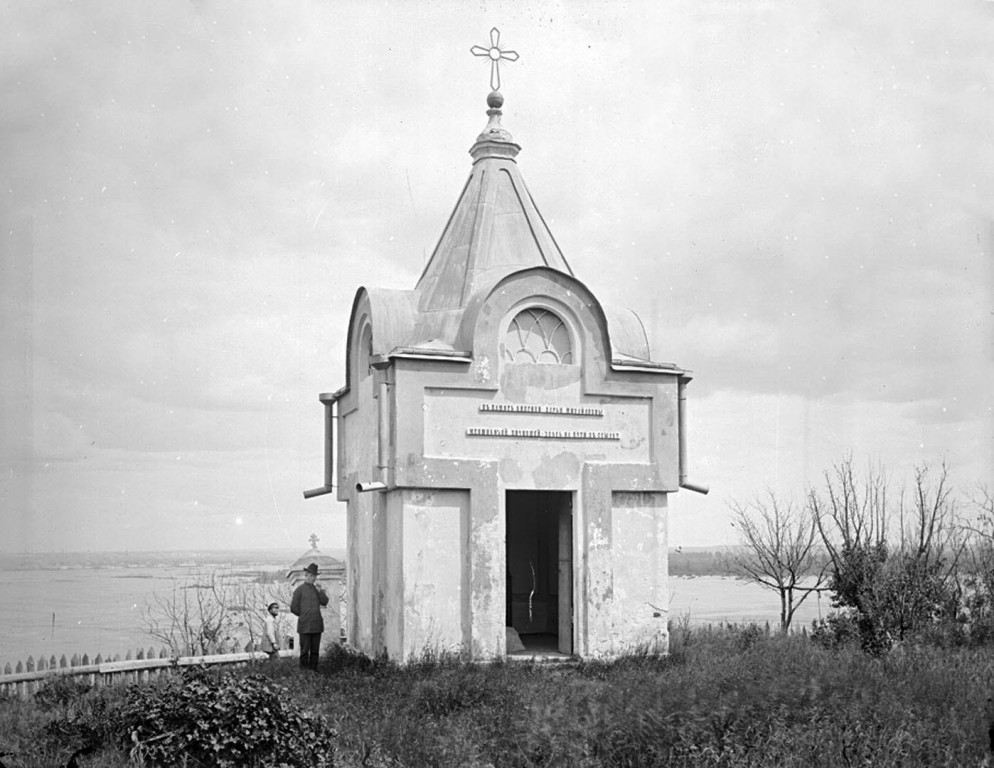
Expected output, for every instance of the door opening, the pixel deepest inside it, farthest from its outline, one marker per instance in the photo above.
(539, 587)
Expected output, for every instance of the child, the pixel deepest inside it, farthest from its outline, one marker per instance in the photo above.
(270, 637)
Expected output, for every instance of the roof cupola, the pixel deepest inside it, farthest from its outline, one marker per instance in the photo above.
(495, 141)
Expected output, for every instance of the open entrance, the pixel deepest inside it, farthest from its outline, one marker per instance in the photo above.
(539, 585)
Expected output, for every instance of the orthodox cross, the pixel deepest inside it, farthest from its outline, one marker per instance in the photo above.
(314, 540)
(495, 54)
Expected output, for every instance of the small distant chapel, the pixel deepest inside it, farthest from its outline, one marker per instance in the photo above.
(506, 446)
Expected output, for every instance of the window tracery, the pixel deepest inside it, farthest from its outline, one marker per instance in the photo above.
(537, 335)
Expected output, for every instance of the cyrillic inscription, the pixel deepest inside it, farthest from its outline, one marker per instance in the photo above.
(560, 434)
(560, 410)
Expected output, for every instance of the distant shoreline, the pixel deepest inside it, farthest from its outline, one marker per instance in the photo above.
(683, 561)
(276, 558)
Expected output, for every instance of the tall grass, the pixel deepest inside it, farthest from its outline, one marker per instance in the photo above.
(731, 697)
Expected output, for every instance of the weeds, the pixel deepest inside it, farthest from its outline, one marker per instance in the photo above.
(725, 697)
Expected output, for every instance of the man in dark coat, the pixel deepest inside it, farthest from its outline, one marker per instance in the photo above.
(306, 605)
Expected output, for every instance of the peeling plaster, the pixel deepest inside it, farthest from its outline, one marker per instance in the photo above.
(486, 539)
(521, 382)
(510, 471)
(421, 498)
(556, 471)
(597, 537)
(486, 583)
(482, 369)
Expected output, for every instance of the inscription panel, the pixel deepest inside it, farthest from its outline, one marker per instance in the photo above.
(565, 410)
(552, 434)
(462, 424)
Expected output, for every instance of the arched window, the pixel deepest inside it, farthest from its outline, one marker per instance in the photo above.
(365, 351)
(537, 335)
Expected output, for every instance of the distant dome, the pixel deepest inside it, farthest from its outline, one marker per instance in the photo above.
(328, 566)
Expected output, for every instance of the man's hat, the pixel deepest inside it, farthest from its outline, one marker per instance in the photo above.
(312, 568)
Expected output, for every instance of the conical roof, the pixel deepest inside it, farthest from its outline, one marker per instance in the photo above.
(494, 230)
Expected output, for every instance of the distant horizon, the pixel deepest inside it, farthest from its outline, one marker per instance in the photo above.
(250, 550)
(176, 550)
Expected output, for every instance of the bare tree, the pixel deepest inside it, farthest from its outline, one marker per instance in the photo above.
(931, 533)
(780, 551)
(894, 563)
(979, 592)
(194, 618)
(213, 612)
(982, 501)
(922, 579)
(853, 512)
(852, 520)
(985, 501)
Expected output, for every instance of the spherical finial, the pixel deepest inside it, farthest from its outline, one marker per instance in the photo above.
(495, 100)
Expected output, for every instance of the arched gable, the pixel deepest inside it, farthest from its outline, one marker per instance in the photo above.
(381, 321)
(599, 340)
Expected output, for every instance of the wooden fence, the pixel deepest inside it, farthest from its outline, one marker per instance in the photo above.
(26, 678)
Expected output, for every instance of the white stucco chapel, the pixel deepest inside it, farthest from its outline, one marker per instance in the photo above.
(506, 447)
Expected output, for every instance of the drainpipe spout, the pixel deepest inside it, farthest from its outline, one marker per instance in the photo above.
(681, 411)
(382, 441)
(329, 448)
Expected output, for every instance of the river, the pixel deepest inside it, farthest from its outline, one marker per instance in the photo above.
(67, 610)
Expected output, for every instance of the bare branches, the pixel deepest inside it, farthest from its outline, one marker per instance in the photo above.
(210, 613)
(852, 513)
(982, 500)
(779, 550)
(935, 537)
(894, 563)
(193, 618)
(979, 582)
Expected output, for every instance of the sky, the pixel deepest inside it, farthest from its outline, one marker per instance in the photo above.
(797, 199)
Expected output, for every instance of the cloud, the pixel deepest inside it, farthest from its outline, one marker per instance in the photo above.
(793, 198)
(808, 221)
(742, 443)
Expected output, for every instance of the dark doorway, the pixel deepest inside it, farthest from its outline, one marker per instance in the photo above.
(539, 585)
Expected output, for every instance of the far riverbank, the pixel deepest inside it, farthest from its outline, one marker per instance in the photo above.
(91, 603)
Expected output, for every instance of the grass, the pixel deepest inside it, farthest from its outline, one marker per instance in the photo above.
(731, 697)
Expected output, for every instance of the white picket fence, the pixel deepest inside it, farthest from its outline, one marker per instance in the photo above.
(26, 678)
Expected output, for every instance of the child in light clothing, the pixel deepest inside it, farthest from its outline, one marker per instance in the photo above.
(270, 636)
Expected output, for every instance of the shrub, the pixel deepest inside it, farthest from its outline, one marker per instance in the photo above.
(836, 630)
(223, 720)
(62, 690)
(750, 634)
(340, 659)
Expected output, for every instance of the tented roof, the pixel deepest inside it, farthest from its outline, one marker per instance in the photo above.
(494, 230)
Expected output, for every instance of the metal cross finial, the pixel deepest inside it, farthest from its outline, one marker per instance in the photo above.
(495, 54)
(314, 540)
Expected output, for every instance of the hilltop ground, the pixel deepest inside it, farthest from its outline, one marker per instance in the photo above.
(729, 697)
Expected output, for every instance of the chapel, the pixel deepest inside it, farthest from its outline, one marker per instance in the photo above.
(506, 446)
(331, 574)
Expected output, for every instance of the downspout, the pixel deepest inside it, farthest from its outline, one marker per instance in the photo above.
(382, 440)
(328, 400)
(681, 410)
